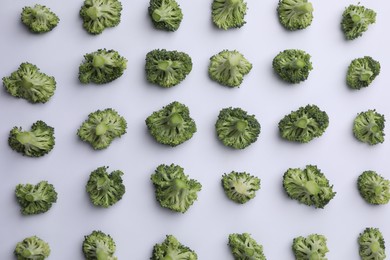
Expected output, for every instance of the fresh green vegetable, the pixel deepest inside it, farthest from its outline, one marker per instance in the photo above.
(312, 247)
(228, 14)
(99, 246)
(374, 188)
(165, 14)
(355, 21)
(172, 249)
(240, 186)
(244, 247)
(362, 71)
(39, 18)
(32, 248)
(295, 14)
(368, 127)
(371, 245)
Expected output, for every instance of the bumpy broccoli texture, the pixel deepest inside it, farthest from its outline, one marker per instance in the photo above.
(228, 68)
(304, 124)
(368, 127)
(39, 18)
(102, 127)
(29, 83)
(312, 247)
(355, 21)
(295, 14)
(37, 142)
(99, 246)
(171, 248)
(308, 186)
(244, 247)
(32, 248)
(371, 244)
(228, 14)
(236, 129)
(167, 68)
(293, 66)
(374, 188)
(240, 186)
(362, 71)
(174, 189)
(165, 14)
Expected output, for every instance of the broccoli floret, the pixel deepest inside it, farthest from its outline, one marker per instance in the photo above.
(32, 248)
(240, 186)
(29, 83)
(99, 246)
(374, 188)
(101, 67)
(174, 189)
(39, 18)
(371, 244)
(165, 14)
(244, 247)
(304, 124)
(167, 68)
(172, 249)
(98, 15)
(171, 125)
(312, 247)
(308, 186)
(368, 127)
(295, 14)
(362, 71)
(228, 14)
(228, 68)
(355, 21)
(102, 127)
(293, 66)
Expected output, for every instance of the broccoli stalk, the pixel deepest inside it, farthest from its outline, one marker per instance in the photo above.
(228, 14)
(295, 14)
(32, 248)
(362, 71)
(166, 14)
(355, 21)
(39, 18)
(312, 247)
(371, 245)
(99, 246)
(172, 249)
(374, 188)
(244, 247)
(368, 127)
(240, 186)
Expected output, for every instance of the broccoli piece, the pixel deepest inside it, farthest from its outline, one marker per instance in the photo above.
(101, 67)
(312, 247)
(295, 14)
(228, 14)
(374, 188)
(244, 247)
(368, 127)
(362, 71)
(39, 18)
(171, 125)
(371, 244)
(32, 248)
(98, 15)
(174, 189)
(355, 21)
(99, 246)
(29, 83)
(228, 68)
(304, 124)
(165, 14)
(292, 66)
(102, 127)
(240, 186)
(308, 186)
(167, 68)
(172, 249)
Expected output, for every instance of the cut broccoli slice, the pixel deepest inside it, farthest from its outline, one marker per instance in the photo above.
(368, 127)
(32, 248)
(39, 18)
(355, 21)
(244, 247)
(362, 71)
(228, 14)
(371, 244)
(240, 186)
(295, 14)
(312, 247)
(374, 188)
(167, 68)
(172, 249)
(293, 66)
(99, 246)
(165, 14)
(174, 189)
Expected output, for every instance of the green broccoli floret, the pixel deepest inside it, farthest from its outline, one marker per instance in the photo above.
(32, 248)
(293, 66)
(362, 71)
(29, 83)
(371, 244)
(228, 14)
(171, 125)
(102, 127)
(240, 186)
(368, 127)
(228, 68)
(99, 246)
(165, 14)
(167, 68)
(304, 124)
(39, 18)
(308, 186)
(374, 188)
(295, 14)
(312, 247)
(355, 21)
(98, 15)
(101, 67)
(244, 247)
(172, 249)
(174, 189)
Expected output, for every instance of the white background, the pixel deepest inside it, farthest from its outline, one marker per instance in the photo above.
(137, 222)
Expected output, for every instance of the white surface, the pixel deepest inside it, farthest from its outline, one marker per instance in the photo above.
(137, 222)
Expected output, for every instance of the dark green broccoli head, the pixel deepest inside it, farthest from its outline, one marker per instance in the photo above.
(374, 188)
(29, 83)
(32, 248)
(362, 71)
(39, 18)
(292, 66)
(174, 190)
(99, 246)
(312, 247)
(371, 245)
(228, 14)
(368, 127)
(167, 68)
(244, 247)
(355, 21)
(165, 14)
(240, 186)
(295, 14)
(172, 249)
(102, 127)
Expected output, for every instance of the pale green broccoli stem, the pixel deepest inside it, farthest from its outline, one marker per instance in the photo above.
(101, 129)
(27, 253)
(241, 125)
(249, 252)
(26, 83)
(175, 120)
(303, 8)
(101, 254)
(165, 65)
(233, 2)
(302, 122)
(98, 61)
(93, 13)
(365, 75)
(233, 60)
(161, 14)
(31, 197)
(179, 185)
(375, 247)
(355, 18)
(314, 256)
(296, 64)
(313, 188)
(378, 190)
(25, 138)
(103, 183)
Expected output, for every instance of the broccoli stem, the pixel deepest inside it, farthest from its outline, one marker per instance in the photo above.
(25, 138)
(378, 190)
(101, 254)
(249, 251)
(164, 65)
(27, 253)
(167, 257)
(356, 18)
(233, 2)
(103, 183)
(159, 15)
(175, 119)
(365, 75)
(313, 188)
(179, 184)
(93, 13)
(241, 125)
(296, 64)
(234, 60)
(314, 256)
(101, 129)
(375, 247)
(302, 123)
(26, 83)
(98, 61)
(303, 8)
(31, 197)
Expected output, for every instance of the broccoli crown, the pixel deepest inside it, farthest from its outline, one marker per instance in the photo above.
(304, 124)
(101, 67)
(228, 68)
(374, 188)
(29, 83)
(355, 21)
(293, 66)
(362, 71)
(99, 246)
(228, 14)
(371, 245)
(167, 68)
(312, 247)
(102, 127)
(308, 186)
(240, 186)
(174, 189)
(32, 248)
(172, 249)
(165, 14)
(39, 18)
(295, 14)
(171, 125)
(244, 247)
(368, 127)
(98, 15)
